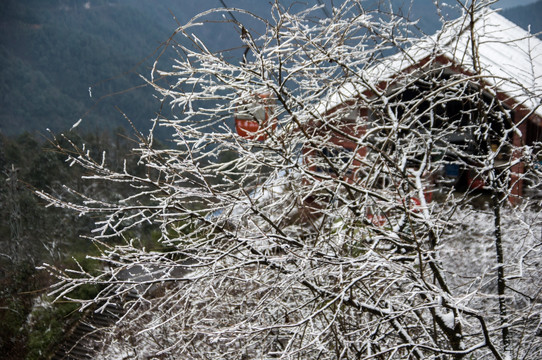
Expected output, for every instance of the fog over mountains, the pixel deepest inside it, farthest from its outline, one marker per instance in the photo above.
(65, 60)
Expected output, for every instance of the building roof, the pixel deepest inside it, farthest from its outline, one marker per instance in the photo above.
(510, 60)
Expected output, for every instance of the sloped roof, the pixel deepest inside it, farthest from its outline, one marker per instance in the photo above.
(510, 59)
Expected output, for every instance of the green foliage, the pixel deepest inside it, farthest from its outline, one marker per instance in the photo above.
(49, 320)
(46, 326)
(17, 283)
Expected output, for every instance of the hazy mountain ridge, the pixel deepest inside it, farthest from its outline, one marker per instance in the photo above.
(527, 16)
(51, 55)
(52, 52)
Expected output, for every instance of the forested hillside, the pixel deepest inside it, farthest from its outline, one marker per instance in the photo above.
(527, 16)
(62, 60)
(52, 52)
(65, 60)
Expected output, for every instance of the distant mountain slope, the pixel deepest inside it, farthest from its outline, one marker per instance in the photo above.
(527, 15)
(52, 52)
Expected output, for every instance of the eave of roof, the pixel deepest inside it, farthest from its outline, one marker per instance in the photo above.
(510, 61)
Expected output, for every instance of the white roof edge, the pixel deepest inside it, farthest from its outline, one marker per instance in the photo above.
(510, 60)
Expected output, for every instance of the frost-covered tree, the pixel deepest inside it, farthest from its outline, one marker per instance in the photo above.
(369, 205)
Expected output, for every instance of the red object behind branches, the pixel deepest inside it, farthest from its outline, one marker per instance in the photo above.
(253, 116)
